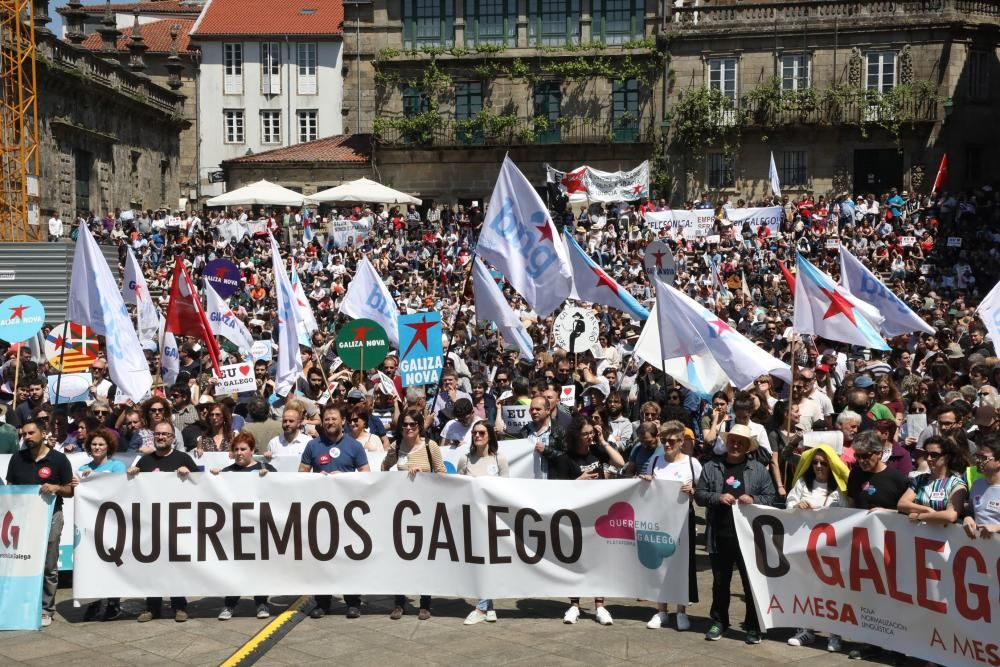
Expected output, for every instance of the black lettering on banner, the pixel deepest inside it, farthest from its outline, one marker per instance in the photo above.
(239, 530)
(173, 530)
(467, 537)
(576, 531)
(777, 541)
(358, 529)
(495, 534)
(397, 531)
(210, 532)
(292, 533)
(154, 536)
(115, 554)
(442, 524)
(312, 526)
(538, 535)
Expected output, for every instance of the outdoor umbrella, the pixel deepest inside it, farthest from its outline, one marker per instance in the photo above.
(363, 190)
(261, 193)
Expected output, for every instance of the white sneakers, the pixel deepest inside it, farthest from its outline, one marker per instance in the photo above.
(475, 616)
(661, 619)
(833, 644)
(491, 616)
(263, 611)
(46, 620)
(604, 616)
(225, 614)
(802, 637)
(572, 615)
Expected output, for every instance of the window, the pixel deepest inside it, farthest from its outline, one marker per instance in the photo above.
(722, 76)
(305, 55)
(617, 21)
(720, 171)
(979, 75)
(881, 70)
(553, 22)
(792, 168)
(490, 22)
(415, 102)
(468, 104)
(548, 105)
(625, 110)
(795, 72)
(308, 126)
(234, 126)
(232, 67)
(270, 68)
(428, 23)
(270, 127)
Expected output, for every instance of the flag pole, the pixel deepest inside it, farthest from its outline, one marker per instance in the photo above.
(62, 357)
(429, 405)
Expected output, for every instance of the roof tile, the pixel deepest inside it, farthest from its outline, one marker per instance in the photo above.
(156, 36)
(351, 148)
(147, 7)
(257, 18)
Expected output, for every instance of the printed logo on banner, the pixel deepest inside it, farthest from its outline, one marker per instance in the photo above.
(9, 531)
(21, 317)
(420, 338)
(619, 526)
(223, 276)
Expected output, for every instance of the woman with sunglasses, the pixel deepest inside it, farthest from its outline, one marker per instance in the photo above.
(483, 460)
(820, 481)
(939, 495)
(359, 429)
(673, 464)
(765, 385)
(101, 445)
(413, 453)
(584, 459)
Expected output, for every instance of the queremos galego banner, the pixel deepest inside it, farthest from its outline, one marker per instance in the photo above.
(924, 591)
(25, 517)
(451, 535)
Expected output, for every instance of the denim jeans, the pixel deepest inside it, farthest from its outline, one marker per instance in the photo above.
(485, 605)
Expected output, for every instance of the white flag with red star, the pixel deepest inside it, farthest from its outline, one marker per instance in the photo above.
(591, 283)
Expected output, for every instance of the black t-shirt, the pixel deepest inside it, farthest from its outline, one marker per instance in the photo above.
(881, 489)
(253, 467)
(570, 465)
(53, 468)
(169, 463)
(734, 484)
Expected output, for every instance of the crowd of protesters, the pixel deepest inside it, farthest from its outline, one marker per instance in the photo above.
(919, 423)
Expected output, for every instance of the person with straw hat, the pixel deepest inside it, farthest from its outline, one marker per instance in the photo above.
(725, 481)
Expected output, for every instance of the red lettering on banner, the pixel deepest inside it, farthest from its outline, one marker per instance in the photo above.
(799, 608)
(925, 573)
(824, 608)
(889, 558)
(831, 576)
(988, 654)
(861, 549)
(774, 604)
(936, 639)
(847, 615)
(981, 594)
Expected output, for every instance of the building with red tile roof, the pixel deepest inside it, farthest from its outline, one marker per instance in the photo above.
(307, 167)
(262, 18)
(156, 36)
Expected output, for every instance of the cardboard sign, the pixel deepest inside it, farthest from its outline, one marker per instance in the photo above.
(261, 350)
(576, 329)
(659, 260)
(420, 339)
(362, 344)
(714, 238)
(223, 276)
(954, 242)
(908, 241)
(567, 395)
(925, 269)
(515, 417)
(21, 317)
(236, 379)
(832, 244)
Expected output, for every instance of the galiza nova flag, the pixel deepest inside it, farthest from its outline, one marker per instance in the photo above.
(824, 308)
(989, 313)
(591, 283)
(289, 361)
(863, 284)
(521, 241)
(492, 306)
(225, 323)
(368, 297)
(307, 321)
(135, 291)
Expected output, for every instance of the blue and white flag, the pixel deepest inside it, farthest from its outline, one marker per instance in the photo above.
(307, 321)
(492, 306)
(519, 238)
(368, 297)
(289, 361)
(824, 308)
(591, 283)
(25, 520)
(863, 284)
(170, 357)
(772, 175)
(989, 313)
(224, 322)
(96, 302)
(135, 291)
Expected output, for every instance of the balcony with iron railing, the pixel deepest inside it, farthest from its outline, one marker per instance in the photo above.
(857, 107)
(433, 131)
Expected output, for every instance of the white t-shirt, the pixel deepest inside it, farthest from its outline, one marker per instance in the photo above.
(985, 501)
(678, 471)
(278, 446)
(457, 432)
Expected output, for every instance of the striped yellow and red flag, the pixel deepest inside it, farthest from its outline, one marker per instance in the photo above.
(75, 344)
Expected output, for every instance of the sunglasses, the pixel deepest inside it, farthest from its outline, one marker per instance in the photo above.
(409, 424)
(934, 455)
(156, 409)
(102, 412)
(817, 462)
(480, 433)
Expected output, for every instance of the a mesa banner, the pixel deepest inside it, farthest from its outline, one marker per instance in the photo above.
(924, 591)
(292, 534)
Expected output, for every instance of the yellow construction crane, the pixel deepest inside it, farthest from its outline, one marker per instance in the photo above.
(19, 212)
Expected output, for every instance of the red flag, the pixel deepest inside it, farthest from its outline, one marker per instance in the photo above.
(941, 180)
(185, 315)
(789, 278)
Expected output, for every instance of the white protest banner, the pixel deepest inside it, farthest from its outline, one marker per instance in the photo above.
(341, 232)
(832, 244)
(908, 241)
(713, 238)
(924, 591)
(767, 216)
(515, 417)
(25, 517)
(617, 185)
(954, 242)
(236, 378)
(296, 533)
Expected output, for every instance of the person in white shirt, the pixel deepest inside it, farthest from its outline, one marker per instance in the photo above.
(55, 228)
(292, 441)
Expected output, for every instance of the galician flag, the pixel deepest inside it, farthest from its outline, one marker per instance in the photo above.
(289, 361)
(521, 241)
(772, 175)
(824, 308)
(225, 323)
(368, 297)
(307, 321)
(95, 301)
(135, 291)
(989, 313)
(170, 358)
(591, 283)
(863, 284)
(492, 306)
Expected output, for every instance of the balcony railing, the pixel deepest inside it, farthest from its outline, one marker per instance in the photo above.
(855, 109)
(568, 130)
